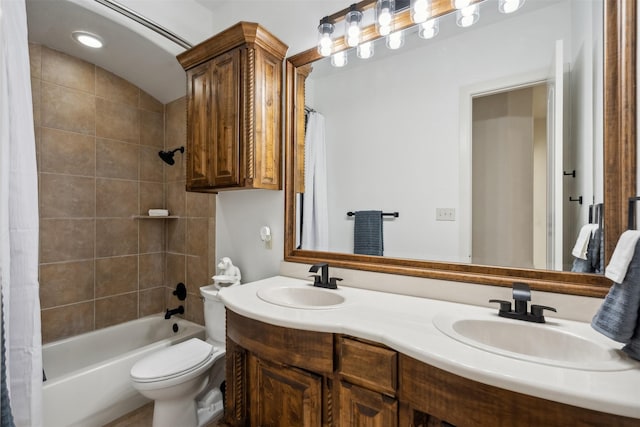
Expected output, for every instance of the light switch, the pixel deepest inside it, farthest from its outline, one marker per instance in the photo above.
(445, 214)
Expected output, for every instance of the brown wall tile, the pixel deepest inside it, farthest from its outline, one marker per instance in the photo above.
(66, 321)
(151, 168)
(36, 99)
(149, 103)
(194, 310)
(176, 198)
(151, 196)
(151, 270)
(152, 301)
(66, 196)
(66, 283)
(116, 237)
(115, 159)
(197, 229)
(68, 152)
(175, 269)
(117, 89)
(151, 238)
(197, 273)
(176, 122)
(68, 109)
(198, 204)
(115, 310)
(116, 275)
(152, 129)
(117, 121)
(66, 239)
(67, 71)
(116, 198)
(176, 235)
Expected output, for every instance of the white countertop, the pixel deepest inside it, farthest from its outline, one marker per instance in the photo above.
(405, 323)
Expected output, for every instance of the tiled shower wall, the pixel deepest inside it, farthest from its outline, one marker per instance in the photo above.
(97, 139)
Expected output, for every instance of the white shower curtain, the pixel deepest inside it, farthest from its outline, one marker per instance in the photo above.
(315, 212)
(19, 219)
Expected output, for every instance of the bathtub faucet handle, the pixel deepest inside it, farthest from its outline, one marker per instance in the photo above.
(169, 313)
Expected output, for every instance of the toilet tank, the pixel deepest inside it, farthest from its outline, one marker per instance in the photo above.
(214, 315)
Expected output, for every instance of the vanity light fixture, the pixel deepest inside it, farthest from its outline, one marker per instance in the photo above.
(339, 59)
(395, 40)
(429, 29)
(420, 10)
(353, 26)
(87, 39)
(385, 10)
(365, 50)
(468, 16)
(509, 6)
(325, 43)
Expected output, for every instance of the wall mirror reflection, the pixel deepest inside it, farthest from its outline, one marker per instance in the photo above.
(488, 141)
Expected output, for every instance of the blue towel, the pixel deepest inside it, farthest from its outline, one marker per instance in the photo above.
(367, 233)
(617, 317)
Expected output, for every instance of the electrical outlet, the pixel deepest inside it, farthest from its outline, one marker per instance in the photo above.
(445, 214)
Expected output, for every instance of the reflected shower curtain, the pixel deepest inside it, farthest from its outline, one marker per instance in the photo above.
(19, 220)
(315, 212)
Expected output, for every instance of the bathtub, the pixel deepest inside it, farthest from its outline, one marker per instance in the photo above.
(88, 375)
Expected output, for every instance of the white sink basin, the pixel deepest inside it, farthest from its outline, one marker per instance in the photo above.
(540, 343)
(301, 297)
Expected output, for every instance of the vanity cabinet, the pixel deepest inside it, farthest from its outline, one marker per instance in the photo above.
(234, 117)
(279, 377)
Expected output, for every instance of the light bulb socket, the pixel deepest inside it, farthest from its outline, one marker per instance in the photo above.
(325, 30)
(353, 26)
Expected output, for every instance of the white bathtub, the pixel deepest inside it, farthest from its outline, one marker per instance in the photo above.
(88, 375)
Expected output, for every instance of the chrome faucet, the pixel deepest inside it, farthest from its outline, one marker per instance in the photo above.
(323, 280)
(521, 296)
(169, 313)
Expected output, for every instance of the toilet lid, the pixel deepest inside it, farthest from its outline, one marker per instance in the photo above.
(172, 361)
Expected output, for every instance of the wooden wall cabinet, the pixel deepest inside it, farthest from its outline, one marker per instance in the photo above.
(234, 110)
(282, 377)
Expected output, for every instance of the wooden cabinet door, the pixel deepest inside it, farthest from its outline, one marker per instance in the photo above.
(225, 120)
(199, 90)
(360, 407)
(282, 396)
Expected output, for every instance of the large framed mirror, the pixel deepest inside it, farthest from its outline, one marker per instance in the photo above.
(599, 144)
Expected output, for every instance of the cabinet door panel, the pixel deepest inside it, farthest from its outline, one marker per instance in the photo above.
(225, 120)
(282, 396)
(360, 407)
(199, 131)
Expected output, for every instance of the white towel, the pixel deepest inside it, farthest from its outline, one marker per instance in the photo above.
(582, 242)
(622, 255)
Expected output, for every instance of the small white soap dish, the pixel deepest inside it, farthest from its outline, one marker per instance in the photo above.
(158, 212)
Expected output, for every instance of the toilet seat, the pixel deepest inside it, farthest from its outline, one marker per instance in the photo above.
(182, 360)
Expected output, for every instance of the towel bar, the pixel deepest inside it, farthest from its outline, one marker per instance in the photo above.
(393, 214)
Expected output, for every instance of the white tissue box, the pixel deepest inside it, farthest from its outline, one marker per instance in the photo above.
(158, 212)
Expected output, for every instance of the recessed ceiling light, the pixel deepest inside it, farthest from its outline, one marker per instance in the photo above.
(87, 39)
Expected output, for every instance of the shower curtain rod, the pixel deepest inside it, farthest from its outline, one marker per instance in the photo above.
(129, 13)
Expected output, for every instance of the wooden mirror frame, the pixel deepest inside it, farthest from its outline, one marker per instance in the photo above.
(619, 172)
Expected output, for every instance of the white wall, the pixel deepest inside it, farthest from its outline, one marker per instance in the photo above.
(429, 176)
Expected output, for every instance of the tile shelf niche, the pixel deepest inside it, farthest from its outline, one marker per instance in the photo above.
(155, 217)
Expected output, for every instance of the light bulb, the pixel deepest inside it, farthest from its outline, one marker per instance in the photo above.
(510, 6)
(419, 10)
(395, 40)
(87, 39)
(365, 50)
(468, 16)
(339, 59)
(352, 20)
(429, 29)
(325, 43)
(384, 16)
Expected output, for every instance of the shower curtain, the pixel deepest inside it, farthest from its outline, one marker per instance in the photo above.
(315, 212)
(19, 221)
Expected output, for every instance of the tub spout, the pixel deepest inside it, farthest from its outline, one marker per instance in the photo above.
(169, 313)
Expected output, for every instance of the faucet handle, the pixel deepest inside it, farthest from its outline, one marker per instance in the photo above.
(505, 306)
(537, 310)
(333, 282)
(316, 279)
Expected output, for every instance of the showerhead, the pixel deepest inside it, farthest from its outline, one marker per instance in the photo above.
(167, 156)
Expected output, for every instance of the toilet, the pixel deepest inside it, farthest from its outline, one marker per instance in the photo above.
(184, 379)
